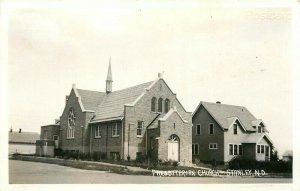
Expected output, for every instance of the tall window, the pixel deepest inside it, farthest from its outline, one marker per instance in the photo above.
(259, 129)
(139, 128)
(230, 149)
(167, 105)
(160, 104)
(153, 104)
(235, 149)
(97, 132)
(71, 123)
(235, 126)
(267, 151)
(115, 130)
(258, 149)
(211, 128)
(198, 129)
(195, 148)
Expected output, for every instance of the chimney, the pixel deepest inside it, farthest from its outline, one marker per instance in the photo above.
(67, 98)
(11, 130)
(218, 102)
(160, 75)
(20, 130)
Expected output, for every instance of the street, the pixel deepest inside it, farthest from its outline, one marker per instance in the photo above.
(23, 172)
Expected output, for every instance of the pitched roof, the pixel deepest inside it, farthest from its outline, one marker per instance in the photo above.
(288, 153)
(223, 112)
(255, 138)
(111, 105)
(23, 137)
(170, 112)
(90, 99)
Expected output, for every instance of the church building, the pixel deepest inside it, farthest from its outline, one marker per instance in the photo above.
(142, 120)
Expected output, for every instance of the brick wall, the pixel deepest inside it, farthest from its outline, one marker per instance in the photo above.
(174, 125)
(142, 111)
(51, 130)
(80, 141)
(106, 143)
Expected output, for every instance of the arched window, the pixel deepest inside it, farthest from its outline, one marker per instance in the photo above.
(71, 123)
(167, 105)
(153, 104)
(160, 104)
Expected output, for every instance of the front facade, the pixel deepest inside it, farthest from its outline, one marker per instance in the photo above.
(143, 120)
(222, 132)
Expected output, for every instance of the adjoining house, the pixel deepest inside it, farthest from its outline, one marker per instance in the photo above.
(287, 155)
(142, 120)
(222, 132)
(49, 140)
(22, 142)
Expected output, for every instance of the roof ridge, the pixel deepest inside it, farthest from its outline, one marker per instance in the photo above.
(224, 104)
(131, 86)
(90, 90)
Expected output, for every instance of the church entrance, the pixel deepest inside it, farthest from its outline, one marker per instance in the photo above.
(173, 148)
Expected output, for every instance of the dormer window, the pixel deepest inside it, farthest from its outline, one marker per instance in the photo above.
(259, 129)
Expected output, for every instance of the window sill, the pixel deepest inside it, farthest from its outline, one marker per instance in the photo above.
(139, 136)
(70, 138)
(115, 136)
(98, 137)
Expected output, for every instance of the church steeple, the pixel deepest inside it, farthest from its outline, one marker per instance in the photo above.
(109, 78)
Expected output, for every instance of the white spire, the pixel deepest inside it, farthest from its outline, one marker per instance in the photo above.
(109, 78)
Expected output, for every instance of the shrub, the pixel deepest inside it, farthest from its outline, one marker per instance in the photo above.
(140, 158)
(58, 152)
(239, 163)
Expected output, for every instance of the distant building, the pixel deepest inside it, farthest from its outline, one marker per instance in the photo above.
(22, 142)
(222, 132)
(287, 155)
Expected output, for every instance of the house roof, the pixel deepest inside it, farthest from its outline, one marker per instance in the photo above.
(111, 105)
(256, 137)
(288, 153)
(224, 114)
(23, 137)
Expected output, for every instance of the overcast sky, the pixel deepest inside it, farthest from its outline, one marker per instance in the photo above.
(239, 56)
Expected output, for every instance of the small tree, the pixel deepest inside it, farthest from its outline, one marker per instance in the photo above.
(274, 154)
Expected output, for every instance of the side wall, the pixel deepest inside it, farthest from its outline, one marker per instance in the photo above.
(203, 118)
(106, 143)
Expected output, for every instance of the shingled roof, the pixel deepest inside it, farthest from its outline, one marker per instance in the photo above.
(110, 105)
(113, 103)
(23, 137)
(222, 113)
(90, 99)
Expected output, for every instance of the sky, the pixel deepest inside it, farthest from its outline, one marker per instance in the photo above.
(236, 55)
